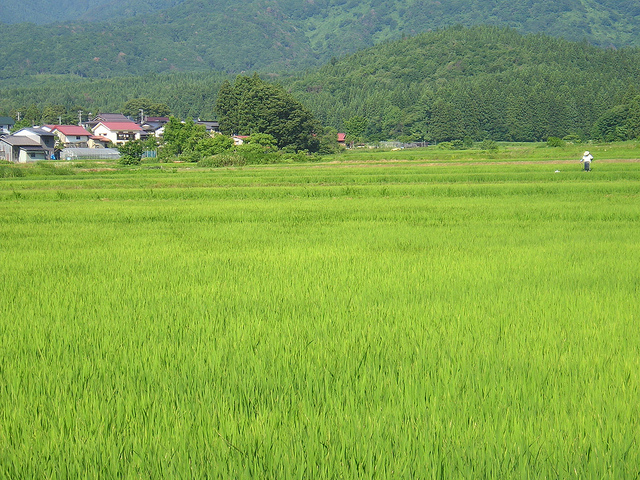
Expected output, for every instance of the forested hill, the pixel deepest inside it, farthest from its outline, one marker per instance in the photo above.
(133, 37)
(481, 82)
(456, 83)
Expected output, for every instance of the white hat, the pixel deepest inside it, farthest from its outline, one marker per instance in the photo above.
(586, 153)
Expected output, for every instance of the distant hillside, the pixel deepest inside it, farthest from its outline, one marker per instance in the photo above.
(458, 83)
(268, 35)
(43, 12)
(476, 83)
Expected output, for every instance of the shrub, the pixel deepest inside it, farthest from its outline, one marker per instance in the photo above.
(488, 144)
(131, 152)
(555, 142)
(191, 156)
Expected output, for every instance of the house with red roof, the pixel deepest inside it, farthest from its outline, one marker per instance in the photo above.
(118, 132)
(71, 135)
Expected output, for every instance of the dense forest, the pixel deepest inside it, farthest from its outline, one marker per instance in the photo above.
(125, 37)
(459, 83)
(481, 82)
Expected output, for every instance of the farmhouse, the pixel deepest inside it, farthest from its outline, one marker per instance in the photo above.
(22, 149)
(71, 135)
(211, 126)
(105, 117)
(154, 126)
(118, 132)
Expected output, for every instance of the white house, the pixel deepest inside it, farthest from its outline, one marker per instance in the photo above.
(118, 132)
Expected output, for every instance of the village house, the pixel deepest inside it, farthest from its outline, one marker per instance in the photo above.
(22, 149)
(154, 126)
(96, 141)
(239, 139)
(105, 117)
(71, 135)
(118, 132)
(211, 126)
(6, 124)
(27, 145)
(44, 137)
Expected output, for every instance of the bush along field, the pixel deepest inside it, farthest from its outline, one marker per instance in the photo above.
(362, 318)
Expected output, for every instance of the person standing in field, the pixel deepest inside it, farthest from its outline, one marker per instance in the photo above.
(586, 160)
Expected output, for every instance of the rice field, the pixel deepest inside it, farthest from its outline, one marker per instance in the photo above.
(409, 319)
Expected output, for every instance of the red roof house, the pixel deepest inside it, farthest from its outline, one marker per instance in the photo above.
(71, 135)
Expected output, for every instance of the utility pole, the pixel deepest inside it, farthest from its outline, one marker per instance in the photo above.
(80, 117)
(141, 116)
(18, 115)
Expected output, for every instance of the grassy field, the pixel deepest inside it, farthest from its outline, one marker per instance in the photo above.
(378, 315)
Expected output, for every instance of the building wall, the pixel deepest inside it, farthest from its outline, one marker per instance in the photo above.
(30, 156)
(119, 137)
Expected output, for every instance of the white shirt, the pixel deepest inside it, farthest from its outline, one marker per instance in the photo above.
(587, 158)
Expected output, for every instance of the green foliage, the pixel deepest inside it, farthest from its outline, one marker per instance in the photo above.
(268, 142)
(131, 152)
(329, 142)
(355, 128)
(251, 106)
(481, 82)
(181, 137)
(458, 83)
(150, 108)
(555, 142)
(228, 159)
(10, 171)
(488, 144)
(214, 145)
(612, 126)
(572, 138)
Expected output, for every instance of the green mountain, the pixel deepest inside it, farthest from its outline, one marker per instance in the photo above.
(117, 37)
(477, 83)
(42, 12)
(453, 84)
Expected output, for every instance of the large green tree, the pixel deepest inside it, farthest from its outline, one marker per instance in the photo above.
(181, 138)
(251, 105)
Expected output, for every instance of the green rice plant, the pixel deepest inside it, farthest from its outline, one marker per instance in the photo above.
(10, 171)
(324, 321)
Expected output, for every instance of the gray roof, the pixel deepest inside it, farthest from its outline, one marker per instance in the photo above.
(7, 121)
(111, 117)
(38, 131)
(20, 141)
